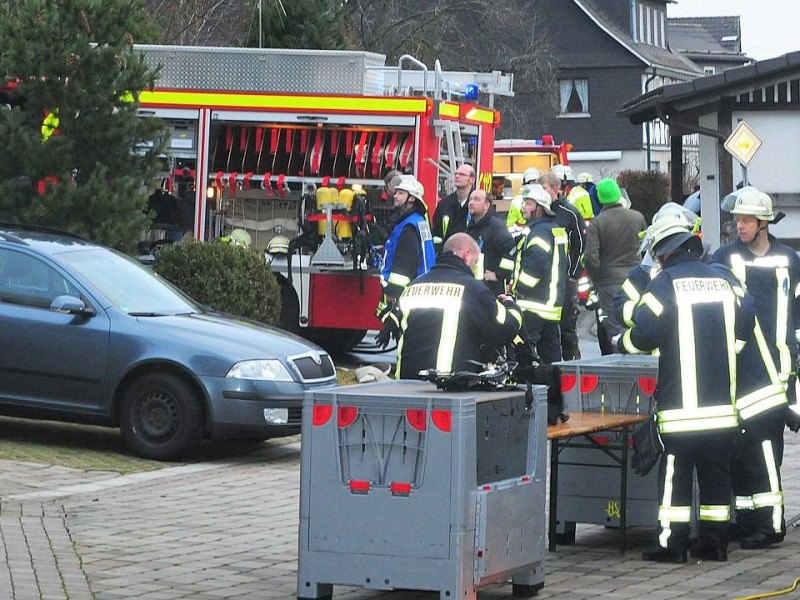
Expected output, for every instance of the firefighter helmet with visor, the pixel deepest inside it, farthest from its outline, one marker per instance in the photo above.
(410, 185)
(670, 232)
(538, 194)
(749, 201)
(530, 175)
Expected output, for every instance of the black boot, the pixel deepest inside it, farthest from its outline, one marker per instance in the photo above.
(702, 551)
(659, 554)
(754, 541)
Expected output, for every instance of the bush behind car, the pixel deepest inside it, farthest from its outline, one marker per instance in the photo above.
(228, 278)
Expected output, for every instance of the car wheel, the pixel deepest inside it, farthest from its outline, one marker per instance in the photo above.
(162, 417)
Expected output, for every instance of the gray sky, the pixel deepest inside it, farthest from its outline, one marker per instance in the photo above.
(769, 27)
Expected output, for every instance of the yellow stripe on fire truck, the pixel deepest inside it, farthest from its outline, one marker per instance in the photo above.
(361, 104)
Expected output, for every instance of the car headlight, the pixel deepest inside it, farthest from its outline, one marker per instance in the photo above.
(263, 370)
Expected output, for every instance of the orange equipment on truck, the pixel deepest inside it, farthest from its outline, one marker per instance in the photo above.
(293, 146)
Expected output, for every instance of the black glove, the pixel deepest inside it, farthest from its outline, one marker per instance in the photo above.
(387, 332)
(792, 419)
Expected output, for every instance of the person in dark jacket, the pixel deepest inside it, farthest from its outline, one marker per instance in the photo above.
(451, 213)
(612, 250)
(448, 320)
(493, 239)
(699, 319)
(771, 272)
(568, 217)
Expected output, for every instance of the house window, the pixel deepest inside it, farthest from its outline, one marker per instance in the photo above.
(573, 96)
(709, 70)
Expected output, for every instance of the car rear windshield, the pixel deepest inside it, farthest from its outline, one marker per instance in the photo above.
(126, 284)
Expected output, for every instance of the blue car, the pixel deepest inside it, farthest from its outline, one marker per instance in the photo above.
(89, 335)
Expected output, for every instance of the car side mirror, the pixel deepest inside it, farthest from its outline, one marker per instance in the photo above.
(71, 305)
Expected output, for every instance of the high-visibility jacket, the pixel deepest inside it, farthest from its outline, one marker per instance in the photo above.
(692, 312)
(629, 294)
(774, 282)
(408, 253)
(540, 266)
(447, 318)
(515, 217)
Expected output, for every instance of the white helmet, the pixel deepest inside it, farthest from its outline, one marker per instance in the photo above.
(563, 172)
(585, 177)
(409, 183)
(669, 232)
(749, 201)
(530, 175)
(669, 209)
(537, 193)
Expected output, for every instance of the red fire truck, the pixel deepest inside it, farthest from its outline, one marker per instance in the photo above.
(295, 144)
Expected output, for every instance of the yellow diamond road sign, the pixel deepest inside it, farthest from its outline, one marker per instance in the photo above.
(743, 143)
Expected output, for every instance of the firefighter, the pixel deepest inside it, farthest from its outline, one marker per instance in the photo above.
(448, 319)
(691, 312)
(450, 215)
(771, 272)
(628, 296)
(409, 251)
(515, 219)
(571, 220)
(493, 239)
(539, 267)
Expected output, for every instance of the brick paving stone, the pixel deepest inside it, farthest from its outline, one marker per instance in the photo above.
(228, 530)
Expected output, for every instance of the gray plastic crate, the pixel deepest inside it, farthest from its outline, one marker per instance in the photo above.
(621, 383)
(403, 486)
(588, 478)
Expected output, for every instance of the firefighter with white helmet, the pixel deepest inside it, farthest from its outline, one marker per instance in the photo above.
(628, 296)
(574, 224)
(698, 318)
(540, 264)
(515, 219)
(409, 250)
(771, 272)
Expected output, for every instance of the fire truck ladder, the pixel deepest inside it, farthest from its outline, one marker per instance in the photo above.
(444, 85)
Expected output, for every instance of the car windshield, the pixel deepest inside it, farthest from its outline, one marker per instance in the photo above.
(129, 286)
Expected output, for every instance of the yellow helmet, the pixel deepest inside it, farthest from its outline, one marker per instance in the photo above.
(278, 245)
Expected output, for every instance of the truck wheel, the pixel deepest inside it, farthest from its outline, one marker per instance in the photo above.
(162, 417)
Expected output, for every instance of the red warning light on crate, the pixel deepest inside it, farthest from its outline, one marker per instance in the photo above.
(417, 419)
(321, 414)
(346, 416)
(400, 488)
(588, 383)
(442, 419)
(648, 385)
(568, 381)
(358, 486)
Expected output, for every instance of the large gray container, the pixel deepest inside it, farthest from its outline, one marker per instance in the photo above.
(403, 486)
(588, 479)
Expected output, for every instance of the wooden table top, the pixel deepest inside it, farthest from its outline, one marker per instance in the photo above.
(581, 423)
